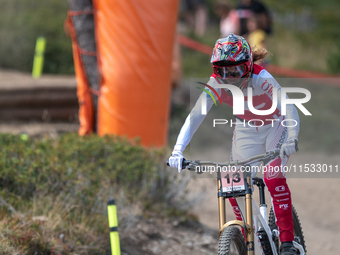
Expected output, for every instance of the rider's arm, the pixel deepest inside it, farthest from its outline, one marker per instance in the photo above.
(292, 113)
(194, 119)
(293, 127)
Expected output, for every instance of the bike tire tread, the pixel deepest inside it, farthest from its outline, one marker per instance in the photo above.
(297, 228)
(230, 234)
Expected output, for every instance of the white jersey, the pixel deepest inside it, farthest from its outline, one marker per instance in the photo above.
(263, 85)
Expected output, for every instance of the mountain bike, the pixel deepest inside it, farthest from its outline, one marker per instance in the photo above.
(254, 234)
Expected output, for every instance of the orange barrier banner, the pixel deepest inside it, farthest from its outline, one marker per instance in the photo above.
(86, 113)
(134, 43)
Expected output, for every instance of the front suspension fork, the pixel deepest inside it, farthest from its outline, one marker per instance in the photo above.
(248, 225)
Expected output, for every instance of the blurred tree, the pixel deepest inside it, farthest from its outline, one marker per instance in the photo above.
(22, 21)
(333, 60)
(81, 12)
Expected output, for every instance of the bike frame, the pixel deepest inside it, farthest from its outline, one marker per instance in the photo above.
(255, 219)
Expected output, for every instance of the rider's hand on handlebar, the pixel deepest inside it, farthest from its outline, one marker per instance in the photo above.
(289, 147)
(176, 160)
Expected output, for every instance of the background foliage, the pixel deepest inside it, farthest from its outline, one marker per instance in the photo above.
(306, 35)
(53, 189)
(22, 21)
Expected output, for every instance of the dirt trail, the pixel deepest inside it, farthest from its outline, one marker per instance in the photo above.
(169, 237)
(315, 200)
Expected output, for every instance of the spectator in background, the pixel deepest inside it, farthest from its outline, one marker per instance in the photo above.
(230, 23)
(247, 8)
(256, 35)
(196, 15)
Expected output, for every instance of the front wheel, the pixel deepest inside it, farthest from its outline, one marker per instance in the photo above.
(232, 242)
(298, 234)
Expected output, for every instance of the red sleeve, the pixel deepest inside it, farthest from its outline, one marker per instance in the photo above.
(257, 69)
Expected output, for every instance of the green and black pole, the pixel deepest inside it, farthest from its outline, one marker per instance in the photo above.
(38, 61)
(113, 224)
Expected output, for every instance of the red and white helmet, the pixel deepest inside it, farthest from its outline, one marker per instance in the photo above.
(232, 58)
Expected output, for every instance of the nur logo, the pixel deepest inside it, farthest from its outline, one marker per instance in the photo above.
(238, 99)
(208, 92)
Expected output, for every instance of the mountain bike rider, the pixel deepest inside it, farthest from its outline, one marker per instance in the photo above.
(233, 63)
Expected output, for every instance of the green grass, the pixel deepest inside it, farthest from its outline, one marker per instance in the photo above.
(319, 132)
(317, 49)
(52, 187)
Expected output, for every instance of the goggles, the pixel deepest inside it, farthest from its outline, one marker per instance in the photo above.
(227, 72)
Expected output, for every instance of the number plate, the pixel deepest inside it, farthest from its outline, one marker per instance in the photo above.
(232, 181)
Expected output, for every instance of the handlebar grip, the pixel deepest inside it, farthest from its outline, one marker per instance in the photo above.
(277, 152)
(185, 163)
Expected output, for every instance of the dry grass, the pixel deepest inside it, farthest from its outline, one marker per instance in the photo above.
(53, 225)
(288, 51)
(54, 191)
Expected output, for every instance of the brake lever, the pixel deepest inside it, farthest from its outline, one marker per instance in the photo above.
(185, 164)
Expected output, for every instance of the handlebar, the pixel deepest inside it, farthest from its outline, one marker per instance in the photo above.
(188, 164)
(185, 163)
